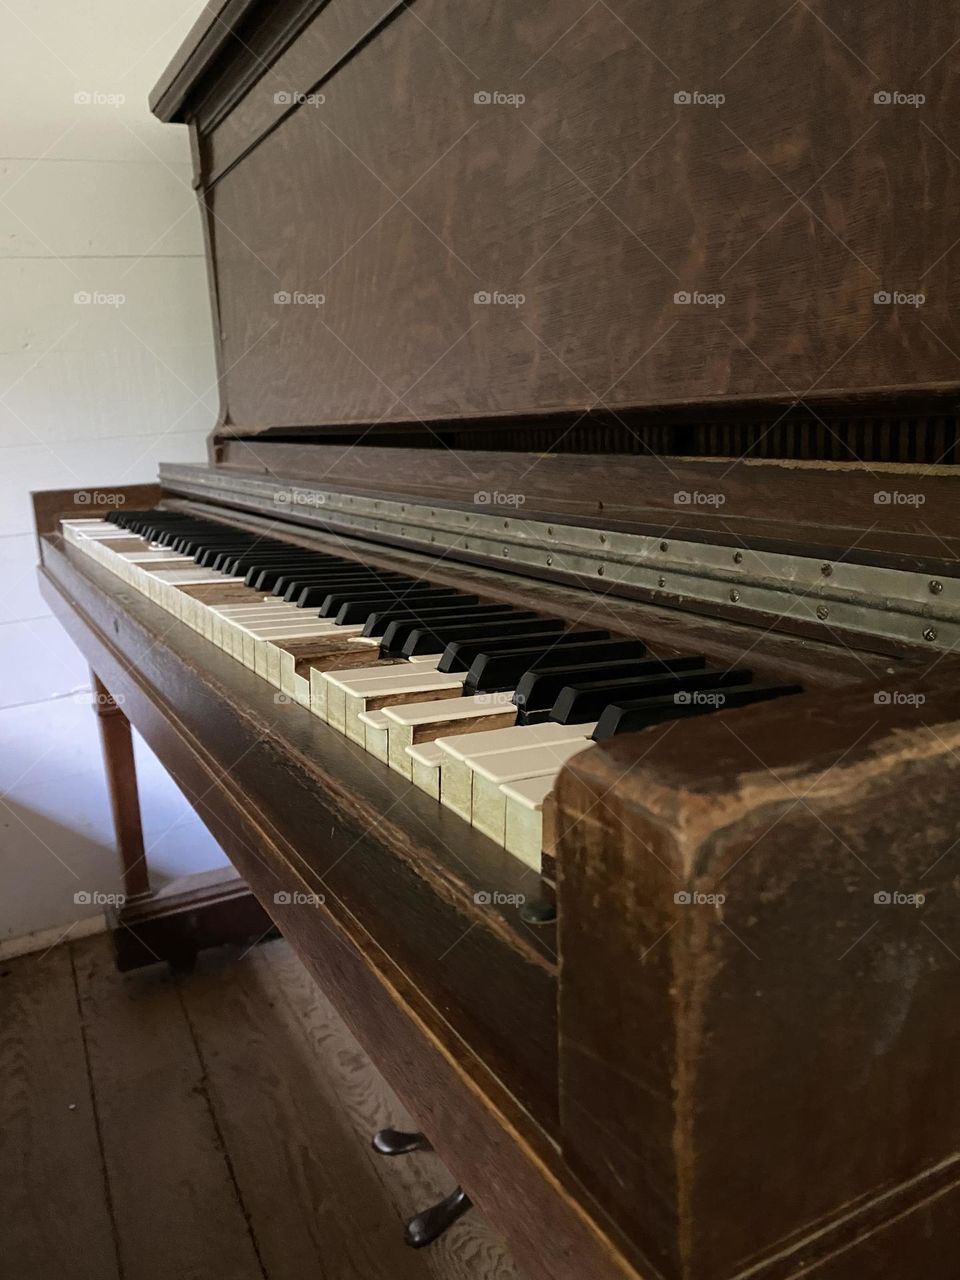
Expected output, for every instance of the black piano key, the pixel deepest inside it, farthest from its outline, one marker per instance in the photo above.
(322, 593)
(630, 717)
(581, 702)
(435, 637)
(459, 654)
(539, 687)
(491, 670)
(238, 562)
(265, 578)
(357, 609)
(378, 621)
(397, 634)
(295, 582)
(295, 577)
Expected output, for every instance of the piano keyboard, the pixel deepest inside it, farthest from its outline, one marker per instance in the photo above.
(478, 703)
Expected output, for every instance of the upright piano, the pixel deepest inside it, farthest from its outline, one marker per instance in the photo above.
(560, 637)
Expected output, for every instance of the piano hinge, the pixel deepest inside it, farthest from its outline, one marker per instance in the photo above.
(837, 595)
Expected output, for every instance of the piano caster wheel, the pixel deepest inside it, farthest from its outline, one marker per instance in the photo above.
(394, 1142)
(433, 1222)
(538, 911)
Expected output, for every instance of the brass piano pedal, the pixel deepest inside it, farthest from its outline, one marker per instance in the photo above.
(394, 1142)
(433, 1222)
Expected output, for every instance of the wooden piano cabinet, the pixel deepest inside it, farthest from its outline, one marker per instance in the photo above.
(760, 977)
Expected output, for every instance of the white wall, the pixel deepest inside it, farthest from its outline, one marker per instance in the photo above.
(95, 199)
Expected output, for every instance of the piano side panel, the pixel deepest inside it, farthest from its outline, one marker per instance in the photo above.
(771, 1080)
(600, 198)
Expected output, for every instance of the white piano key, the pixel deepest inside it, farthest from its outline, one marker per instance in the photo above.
(461, 753)
(425, 767)
(375, 734)
(523, 824)
(415, 722)
(490, 772)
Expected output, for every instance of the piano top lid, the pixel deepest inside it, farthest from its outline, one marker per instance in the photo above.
(492, 292)
(203, 47)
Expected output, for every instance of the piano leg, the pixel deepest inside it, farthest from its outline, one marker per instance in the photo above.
(199, 911)
(121, 773)
(433, 1222)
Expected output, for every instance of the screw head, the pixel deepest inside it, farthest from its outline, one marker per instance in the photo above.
(738, 557)
(826, 570)
(935, 587)
(600, 570)
(661, 582)
(734, 595)
(549, 560)
(930, 633)
(664, 546)
(823, 613)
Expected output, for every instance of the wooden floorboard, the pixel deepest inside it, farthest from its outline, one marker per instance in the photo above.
(175, 1202)
(212, 1127)
(55, 1215)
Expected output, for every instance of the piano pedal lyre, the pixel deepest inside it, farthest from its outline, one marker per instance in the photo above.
(431, 1223)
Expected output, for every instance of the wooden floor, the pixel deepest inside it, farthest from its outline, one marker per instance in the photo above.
(214, 1127)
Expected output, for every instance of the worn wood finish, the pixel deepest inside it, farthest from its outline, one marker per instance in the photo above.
(50, 506)
(55, 1215)
(826, 509)
(187, 916)
(434, 1027)
(770, 1081)
(552, 199)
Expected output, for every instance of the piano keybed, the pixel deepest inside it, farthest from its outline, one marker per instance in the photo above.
(478, 703)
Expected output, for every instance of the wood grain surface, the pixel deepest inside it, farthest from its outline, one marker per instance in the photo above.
(600, 198)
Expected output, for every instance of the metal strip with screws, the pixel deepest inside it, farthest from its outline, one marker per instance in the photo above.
(867, 599)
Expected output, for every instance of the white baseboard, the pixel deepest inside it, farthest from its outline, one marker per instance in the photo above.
(47, 939)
